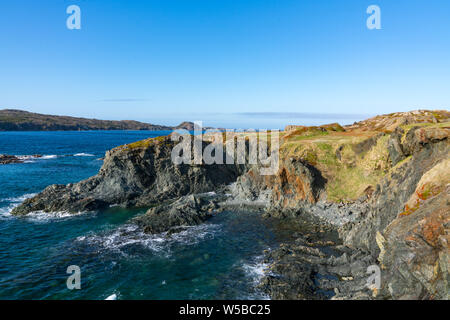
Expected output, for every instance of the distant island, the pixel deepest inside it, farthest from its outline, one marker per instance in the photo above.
(19, 120)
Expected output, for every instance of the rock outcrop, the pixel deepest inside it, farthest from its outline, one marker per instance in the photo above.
(399, 222)
(414, 252)
(392, 170)
(173, 217)
(7, 159)
(139, 174)
(296, 183)
(373, 194)
(394, 190)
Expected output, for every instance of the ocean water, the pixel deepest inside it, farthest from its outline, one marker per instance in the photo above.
(221, 259)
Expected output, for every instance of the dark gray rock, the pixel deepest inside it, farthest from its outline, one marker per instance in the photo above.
(140, 174)
(172, 217)
(316, 266)
(390, 197)
(395, 149)
(8, 159)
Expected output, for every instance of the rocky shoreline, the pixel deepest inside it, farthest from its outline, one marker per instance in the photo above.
(372, 194)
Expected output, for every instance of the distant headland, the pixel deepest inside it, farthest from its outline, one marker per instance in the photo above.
(19, 120)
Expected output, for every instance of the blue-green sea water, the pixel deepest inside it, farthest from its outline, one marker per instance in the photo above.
(221, 259)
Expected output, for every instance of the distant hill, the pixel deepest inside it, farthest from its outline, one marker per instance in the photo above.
(18, 120)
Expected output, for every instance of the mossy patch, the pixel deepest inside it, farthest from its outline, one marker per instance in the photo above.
(144, 144)
(306, 133)
(349, 174)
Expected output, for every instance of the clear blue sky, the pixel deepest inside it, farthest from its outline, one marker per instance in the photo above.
(170, 60)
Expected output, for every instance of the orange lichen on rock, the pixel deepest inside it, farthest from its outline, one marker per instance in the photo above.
(430, 185)
(432, 229)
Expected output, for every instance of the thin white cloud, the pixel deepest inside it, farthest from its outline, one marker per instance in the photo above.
(124, 100)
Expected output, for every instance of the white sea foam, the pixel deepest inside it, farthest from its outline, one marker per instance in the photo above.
(45, 217)
(34, 158)
(36, 216)
(131, 235)
(26, 157)
(256, 271)
(112, 297)
(5, 211)
(19, 199)
(51, 156)
(82, 154)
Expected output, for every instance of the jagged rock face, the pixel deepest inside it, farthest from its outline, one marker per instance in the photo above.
(402, 145)
(416, 244)
(295, 183)
(407, 220)
(404, 223)
(251, 185)
(138, 174)
(395, 189)
(416, 255)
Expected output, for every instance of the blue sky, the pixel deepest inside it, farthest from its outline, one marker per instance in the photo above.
(224, 61)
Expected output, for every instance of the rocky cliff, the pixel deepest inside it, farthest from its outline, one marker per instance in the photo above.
(373, 193)
(138, 174)
(383, 184)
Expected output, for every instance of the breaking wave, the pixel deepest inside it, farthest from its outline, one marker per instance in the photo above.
(33, 158)
(129, 237)
(44, 217)
(19, 199)
(8, 204)
(255, 271)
